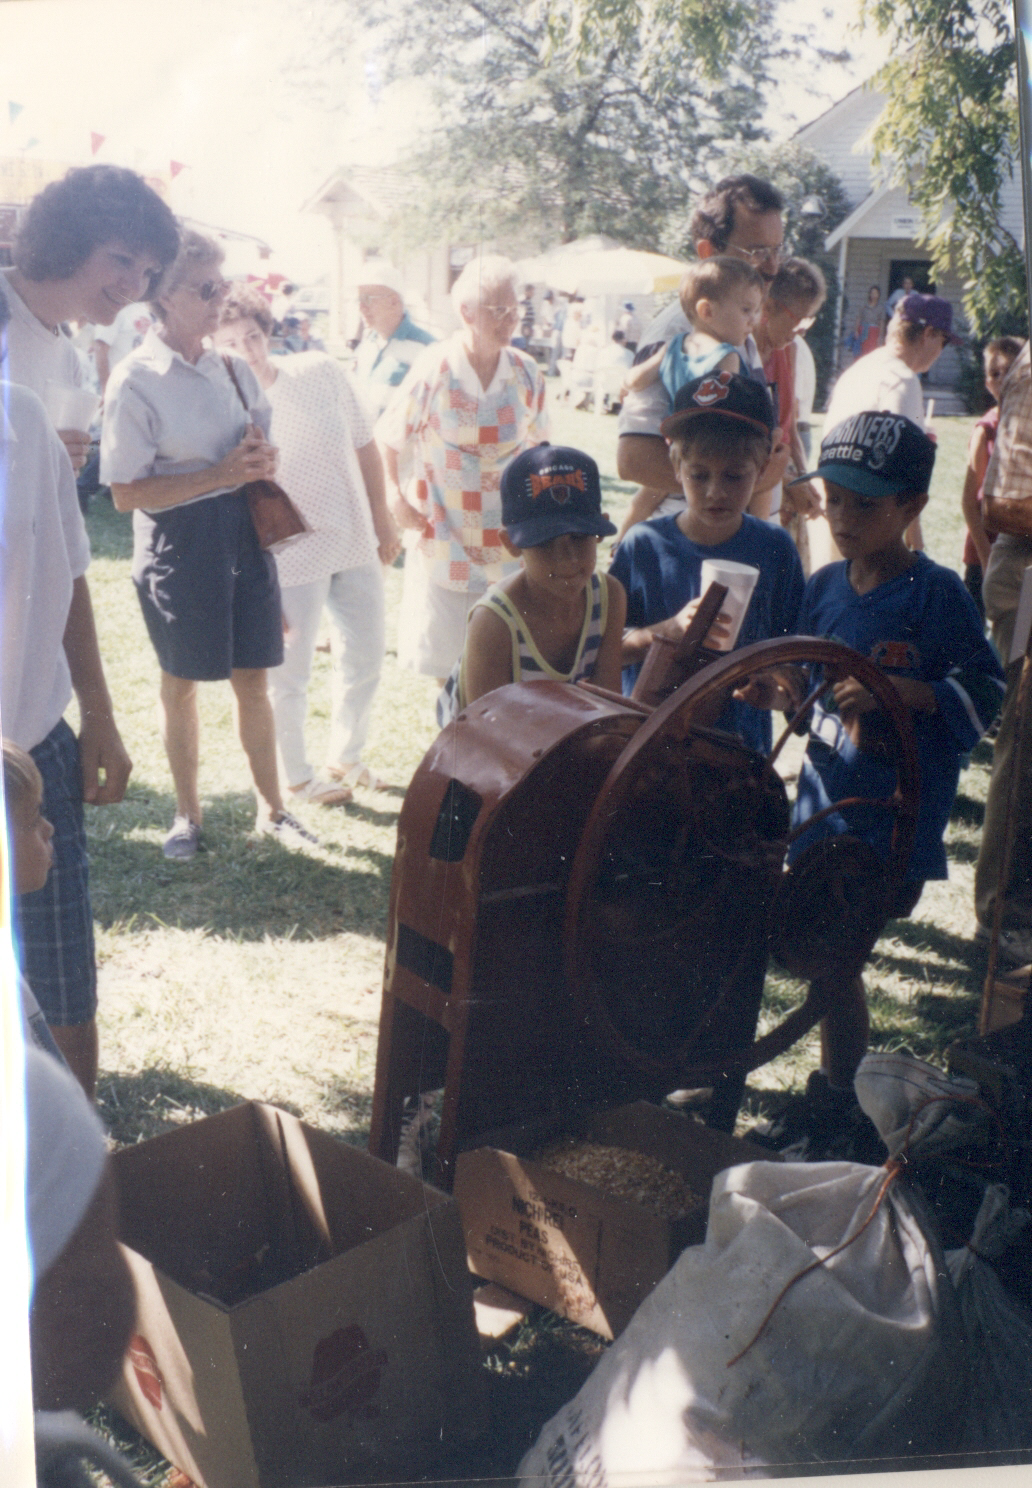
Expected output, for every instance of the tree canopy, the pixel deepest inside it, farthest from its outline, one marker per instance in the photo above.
(558, 121)
(949, 135)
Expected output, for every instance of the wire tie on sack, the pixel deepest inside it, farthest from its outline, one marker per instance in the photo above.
(893, 1168)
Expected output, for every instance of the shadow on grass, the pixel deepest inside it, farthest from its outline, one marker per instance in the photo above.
(157, 1099)
(924, 936)
(341, 1100)
(242, 886)
(968, 811)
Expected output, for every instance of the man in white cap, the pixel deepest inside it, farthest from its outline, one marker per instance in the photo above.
(392, 340)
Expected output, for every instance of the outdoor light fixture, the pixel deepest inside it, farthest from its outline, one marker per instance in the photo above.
(812, 206)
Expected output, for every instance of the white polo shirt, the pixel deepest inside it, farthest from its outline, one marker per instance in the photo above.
(166, 416)
(35, 355)
(318, 422)
(43, 548)
(878, 381)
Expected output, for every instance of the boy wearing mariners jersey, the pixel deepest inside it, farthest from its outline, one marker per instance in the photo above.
(916, 620)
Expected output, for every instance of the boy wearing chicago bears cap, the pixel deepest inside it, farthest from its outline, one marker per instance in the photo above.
(556, 619)
(719, 434)
(916, 620)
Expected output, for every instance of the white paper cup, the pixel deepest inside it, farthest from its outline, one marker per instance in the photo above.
(70, 407)
(740, 580)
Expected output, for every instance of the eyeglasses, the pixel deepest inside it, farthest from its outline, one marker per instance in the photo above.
(209, 289)
(757, 256)
(501, 312)
(371, 299)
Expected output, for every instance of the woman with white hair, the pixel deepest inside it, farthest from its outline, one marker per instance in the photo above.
(468, 405)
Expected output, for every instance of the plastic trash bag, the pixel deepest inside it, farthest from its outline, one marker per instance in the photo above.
(998, 1412)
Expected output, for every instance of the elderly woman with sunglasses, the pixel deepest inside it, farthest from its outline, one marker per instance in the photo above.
(468, 405)
(182, 435)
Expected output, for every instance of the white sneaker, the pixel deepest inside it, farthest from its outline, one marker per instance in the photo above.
(1014, 946)
(288, 830)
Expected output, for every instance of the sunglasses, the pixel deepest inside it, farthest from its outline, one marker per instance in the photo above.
(501, 312)
(209, 289)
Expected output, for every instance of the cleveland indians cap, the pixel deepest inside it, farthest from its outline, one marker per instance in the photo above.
(876, 454)
(549, 490)
(727, 393)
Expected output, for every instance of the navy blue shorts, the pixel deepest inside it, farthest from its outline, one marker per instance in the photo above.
(54, 926)
(209, 594)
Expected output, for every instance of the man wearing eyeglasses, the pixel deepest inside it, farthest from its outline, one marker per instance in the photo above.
(391, 341)
(742, 217)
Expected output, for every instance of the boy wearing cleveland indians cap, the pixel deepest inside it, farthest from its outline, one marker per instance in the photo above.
(918, 622)
(719, 434)
(556, 620)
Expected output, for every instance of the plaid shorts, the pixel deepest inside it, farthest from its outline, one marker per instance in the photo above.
(54, 926)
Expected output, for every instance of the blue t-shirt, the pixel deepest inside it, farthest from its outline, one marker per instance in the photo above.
(661, 570)
(922, 624)
(679, 366)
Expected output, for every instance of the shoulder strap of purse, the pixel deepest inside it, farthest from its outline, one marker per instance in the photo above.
(228, 362)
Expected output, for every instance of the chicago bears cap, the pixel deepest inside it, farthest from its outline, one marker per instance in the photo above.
(549, 490)
(727, 393)
(876, 454)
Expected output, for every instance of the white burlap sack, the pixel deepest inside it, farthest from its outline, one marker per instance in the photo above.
(914, 1103)
(862, 1358)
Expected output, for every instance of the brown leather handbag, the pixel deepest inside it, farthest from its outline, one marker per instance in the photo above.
(277, 521)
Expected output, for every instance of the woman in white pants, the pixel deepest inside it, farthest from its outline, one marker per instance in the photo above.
(331, 468)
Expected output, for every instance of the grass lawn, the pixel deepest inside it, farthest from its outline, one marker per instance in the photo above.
(255, 971)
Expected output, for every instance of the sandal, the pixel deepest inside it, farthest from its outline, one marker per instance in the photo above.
(358, 776)
(322, 793)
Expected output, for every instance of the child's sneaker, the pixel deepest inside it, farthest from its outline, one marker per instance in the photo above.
(823, 1126)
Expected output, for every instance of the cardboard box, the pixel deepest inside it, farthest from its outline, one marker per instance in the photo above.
(304, 1311)
(571, 1247)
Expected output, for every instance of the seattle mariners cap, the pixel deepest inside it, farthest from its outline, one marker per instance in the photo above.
(876, 454)
(726, 393)
(547, 491)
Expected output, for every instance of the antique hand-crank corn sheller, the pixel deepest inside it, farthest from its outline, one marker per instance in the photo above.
(586, 890)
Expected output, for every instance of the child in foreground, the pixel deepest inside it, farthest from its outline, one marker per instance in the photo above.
(31, 857)
(720, 437)
(917, 622)
(999, 357)
(556, 620)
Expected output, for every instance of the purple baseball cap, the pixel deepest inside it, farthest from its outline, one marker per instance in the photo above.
(930, 310)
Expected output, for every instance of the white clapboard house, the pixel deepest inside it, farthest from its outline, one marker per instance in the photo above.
(875, 243)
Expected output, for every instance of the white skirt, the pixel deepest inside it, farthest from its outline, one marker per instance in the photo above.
(431, 620)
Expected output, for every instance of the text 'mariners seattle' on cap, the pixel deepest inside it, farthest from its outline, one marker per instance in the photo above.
(876, 454)
(549, 490)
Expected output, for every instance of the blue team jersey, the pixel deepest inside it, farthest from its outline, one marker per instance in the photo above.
(922, 624)
(661, 570)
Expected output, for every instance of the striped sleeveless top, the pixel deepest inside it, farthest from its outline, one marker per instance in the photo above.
(528, 665)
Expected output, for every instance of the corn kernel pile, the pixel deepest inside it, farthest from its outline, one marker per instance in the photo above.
(622, 1175)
